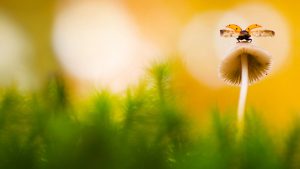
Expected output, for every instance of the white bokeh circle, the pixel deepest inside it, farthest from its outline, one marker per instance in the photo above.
(269, 18)
(98, 42)
(15, 49)
(203, 49)
(196, 46)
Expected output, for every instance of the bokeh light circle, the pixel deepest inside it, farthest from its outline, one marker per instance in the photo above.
(269, 18)
(197, 47)
(203, 48)
(15, 49)
(99, 42)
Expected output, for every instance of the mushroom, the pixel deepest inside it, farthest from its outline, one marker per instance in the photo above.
(243, 66)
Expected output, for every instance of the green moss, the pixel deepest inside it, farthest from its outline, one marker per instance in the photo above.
(146, 128)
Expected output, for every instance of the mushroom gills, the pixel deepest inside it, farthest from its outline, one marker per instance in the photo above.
(258, 67)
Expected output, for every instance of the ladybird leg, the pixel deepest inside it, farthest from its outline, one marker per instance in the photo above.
(248, 39)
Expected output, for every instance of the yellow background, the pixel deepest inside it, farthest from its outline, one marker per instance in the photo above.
(161, 21)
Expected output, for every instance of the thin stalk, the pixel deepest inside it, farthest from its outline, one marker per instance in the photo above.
(243, 93)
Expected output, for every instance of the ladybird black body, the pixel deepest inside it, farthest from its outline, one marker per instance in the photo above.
(244, 35)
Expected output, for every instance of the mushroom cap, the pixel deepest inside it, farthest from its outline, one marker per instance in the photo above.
(259, 62)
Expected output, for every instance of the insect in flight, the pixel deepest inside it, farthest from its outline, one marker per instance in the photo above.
(240, 34)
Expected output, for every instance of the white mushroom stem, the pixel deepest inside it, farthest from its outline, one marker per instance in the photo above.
(244, 65)
(243, 92)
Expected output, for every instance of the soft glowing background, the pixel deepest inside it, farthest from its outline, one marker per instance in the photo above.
(109, 44)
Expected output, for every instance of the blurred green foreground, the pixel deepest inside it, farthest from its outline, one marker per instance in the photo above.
(145, 128)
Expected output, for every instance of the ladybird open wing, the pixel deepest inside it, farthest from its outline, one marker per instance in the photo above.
(253, 26)
(234, 27)
(263, 33)
(228, 33)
